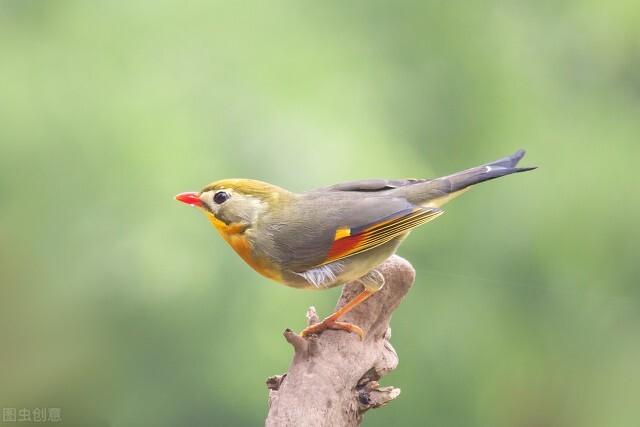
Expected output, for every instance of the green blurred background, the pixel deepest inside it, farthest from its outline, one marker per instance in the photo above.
(124, 308)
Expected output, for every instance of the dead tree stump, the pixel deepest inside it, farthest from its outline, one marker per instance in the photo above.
(333, 378)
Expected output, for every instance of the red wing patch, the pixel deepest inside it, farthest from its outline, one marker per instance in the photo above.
(350, 241)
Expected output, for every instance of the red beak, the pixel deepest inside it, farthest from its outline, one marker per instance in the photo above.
(189, 198)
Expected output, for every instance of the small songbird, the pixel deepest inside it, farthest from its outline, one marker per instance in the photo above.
(333, 235)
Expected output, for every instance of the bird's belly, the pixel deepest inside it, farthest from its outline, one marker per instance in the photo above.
(342, 271)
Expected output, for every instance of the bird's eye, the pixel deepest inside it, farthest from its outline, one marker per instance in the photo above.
(220, 197)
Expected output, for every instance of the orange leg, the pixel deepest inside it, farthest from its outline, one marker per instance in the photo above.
(332, 323)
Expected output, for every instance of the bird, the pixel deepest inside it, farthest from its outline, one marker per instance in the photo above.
(333, 235)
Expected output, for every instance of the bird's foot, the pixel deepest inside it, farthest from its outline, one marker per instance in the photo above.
(329, 323)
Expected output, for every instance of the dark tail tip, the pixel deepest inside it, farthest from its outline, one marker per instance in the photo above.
(511, 161)
(518, 155)
(530, 168)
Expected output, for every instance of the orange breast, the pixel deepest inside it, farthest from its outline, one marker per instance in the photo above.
(234, 235)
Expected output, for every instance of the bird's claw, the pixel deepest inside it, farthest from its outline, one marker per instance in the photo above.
(318, 328)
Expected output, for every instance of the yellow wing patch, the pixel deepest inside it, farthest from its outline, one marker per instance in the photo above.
(351, 241)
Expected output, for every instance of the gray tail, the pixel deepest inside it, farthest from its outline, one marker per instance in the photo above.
(423, 192)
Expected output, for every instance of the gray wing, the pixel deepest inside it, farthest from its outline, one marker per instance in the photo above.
(371, 185)
(300, 237)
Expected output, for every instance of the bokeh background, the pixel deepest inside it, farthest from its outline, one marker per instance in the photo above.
(124, 308)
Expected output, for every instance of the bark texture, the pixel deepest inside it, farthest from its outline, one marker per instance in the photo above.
(333, 378)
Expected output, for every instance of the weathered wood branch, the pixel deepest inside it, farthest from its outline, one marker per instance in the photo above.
(333, 378)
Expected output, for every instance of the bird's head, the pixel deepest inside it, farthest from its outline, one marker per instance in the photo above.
(234, 203)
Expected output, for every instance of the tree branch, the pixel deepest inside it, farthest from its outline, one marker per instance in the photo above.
(333, 378)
